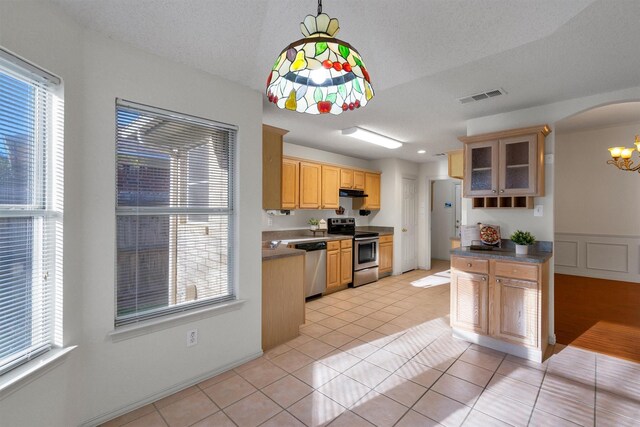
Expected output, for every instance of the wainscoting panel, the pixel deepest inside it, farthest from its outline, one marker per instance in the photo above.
(599, 256)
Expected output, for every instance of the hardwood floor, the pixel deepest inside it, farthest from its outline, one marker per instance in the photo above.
(599, 315)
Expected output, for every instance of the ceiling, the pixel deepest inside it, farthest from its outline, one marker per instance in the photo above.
(422, 56)
(606, 116)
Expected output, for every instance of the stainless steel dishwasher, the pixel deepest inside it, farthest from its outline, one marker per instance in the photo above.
(315, 267)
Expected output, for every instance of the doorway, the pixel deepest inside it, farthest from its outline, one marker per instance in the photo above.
(446, 203)
(409, 225)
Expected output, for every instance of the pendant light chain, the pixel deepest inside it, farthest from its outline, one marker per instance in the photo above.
(319, 7)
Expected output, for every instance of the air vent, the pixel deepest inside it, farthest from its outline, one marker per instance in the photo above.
(480, 96)
(439, 154)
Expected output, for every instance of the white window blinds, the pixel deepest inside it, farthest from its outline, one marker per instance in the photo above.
(174, 212)
(31, 178)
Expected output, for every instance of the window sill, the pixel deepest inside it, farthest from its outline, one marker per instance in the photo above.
(149, 326)
(23, 375)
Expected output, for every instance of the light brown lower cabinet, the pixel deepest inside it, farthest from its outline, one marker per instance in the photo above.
(346, 262)
(385, 259)
(282, 300)
(501, 304)
(339, 265)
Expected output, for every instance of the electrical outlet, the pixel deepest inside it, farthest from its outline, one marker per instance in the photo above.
(192, 337)
(538, 210)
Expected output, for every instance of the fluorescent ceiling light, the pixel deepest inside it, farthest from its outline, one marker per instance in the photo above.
(422, 151)
(372, 137)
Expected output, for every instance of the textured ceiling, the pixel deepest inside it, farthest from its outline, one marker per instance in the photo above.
(422, 55)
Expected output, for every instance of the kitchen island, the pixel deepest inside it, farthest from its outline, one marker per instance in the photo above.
(500, 299)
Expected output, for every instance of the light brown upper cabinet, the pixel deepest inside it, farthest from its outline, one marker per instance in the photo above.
(508, 163)
(290, 183)
(310, 185)
(372, 189)
(346, 178)
(272, 178)
(358, 180)
(456, 164)
(330, 187)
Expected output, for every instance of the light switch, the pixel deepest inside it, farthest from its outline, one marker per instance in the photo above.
(538, 210)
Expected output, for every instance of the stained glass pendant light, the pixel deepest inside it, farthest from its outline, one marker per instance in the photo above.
(319, 74)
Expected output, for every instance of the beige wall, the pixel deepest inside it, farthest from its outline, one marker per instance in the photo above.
(593, 197)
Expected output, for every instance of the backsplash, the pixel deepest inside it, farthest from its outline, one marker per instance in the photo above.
(299, 217)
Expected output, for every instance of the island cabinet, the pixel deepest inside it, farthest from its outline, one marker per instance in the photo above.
(385, 261)
(501, 304)
(282, 299)
(503, 166)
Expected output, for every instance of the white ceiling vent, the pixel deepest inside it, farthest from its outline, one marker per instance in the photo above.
(483, 95)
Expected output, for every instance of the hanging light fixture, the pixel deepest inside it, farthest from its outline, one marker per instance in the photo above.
(319, 74)
(621, 157)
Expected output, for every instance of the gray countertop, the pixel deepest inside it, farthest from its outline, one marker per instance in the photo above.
(280, 252)
(503, 254)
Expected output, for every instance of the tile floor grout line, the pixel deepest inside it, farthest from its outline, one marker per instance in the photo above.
(595, 391)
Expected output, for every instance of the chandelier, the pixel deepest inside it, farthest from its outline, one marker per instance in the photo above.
(319, 74)
(621, 157)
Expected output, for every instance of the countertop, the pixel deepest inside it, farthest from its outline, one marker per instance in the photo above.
(280, 252)
(504, 254)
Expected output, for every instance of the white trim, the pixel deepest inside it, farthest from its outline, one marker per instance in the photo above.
(23, 375)
(529, 353)
(159, 323)
(35, 71)
(166, 392)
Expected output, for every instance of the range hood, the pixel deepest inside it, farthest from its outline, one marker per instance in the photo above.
(352, 193)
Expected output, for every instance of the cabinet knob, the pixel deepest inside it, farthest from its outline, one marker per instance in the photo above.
(493, 191)
(498, 280)
(468, 264)
(484, 279)
(502, 191)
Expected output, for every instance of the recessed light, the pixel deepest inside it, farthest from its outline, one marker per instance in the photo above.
(422, 151)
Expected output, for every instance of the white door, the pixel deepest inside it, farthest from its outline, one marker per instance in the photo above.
(409, 225)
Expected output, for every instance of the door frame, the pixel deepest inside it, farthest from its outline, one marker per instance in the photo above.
(427, 231)
(416, 234)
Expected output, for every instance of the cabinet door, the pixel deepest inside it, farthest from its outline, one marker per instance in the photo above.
(346, 266)
(310, 184)
(346, 178)
(358, 180)
(456, 164)
(372, 189)
(385, 264)
(333, 269)
(518, 165)
(515, 311)
(469, 298)
(290, 182)
(330, 187)
(481, 169)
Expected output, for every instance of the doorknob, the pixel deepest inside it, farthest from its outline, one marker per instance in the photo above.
(404, 230)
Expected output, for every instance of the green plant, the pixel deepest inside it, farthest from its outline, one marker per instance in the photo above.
(523, 238)
(313, 221)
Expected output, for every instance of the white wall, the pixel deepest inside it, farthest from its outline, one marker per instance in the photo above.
(299, 218)
(542, 227)
(102, 376)
(588, 190)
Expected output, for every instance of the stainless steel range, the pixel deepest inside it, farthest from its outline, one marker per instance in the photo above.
(365, 249)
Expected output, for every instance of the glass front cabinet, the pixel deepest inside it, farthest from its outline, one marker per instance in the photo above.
(504, 164)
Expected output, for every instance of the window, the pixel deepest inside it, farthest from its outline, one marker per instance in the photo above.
(174, 212)
(31, 118)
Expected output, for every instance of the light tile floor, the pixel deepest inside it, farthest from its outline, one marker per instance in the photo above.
(382, 355)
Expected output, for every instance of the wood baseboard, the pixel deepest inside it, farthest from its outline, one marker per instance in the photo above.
(598, 314)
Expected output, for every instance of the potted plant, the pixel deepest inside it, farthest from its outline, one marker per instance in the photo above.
(522, 239)
(314, 223)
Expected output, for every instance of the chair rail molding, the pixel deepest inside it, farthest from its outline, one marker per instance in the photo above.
(601, 256)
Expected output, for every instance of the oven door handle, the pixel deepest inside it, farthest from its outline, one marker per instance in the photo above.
(366, 239)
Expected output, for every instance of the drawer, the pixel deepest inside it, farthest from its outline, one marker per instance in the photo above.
(347, 243)
(516, 270)
(386, 239)
(473, 265)
(333, 245)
